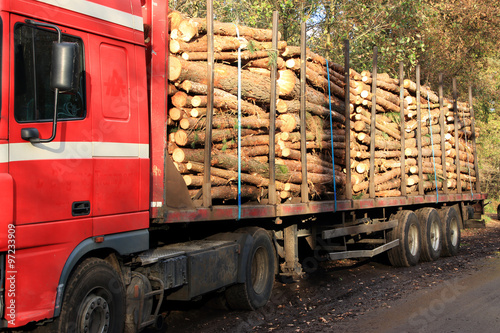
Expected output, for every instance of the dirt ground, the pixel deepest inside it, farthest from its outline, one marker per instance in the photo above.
(339, 294)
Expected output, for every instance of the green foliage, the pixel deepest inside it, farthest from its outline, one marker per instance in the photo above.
(489, 155)
(458, 38)
(282, 168)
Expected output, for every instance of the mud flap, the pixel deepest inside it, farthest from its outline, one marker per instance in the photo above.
(176, 192)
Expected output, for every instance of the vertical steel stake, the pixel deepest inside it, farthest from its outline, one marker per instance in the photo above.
(272, 116)
(402, 124)
(304, 189)
(207, 184)
(372, 124)
(419, 135)
(348, 184)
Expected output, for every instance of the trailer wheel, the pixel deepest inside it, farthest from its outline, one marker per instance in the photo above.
(407, 231)
(451, 231)
(94, 300)
(430, 233)
(259, 275)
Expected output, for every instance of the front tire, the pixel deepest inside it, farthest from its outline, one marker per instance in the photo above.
(94, 300)
(407, 231)
(256, 291)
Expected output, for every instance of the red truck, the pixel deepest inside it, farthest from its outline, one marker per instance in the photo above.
(91, 238)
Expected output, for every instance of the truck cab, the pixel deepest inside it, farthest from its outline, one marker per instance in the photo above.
(69, 182)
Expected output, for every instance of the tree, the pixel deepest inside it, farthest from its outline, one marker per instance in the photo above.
(489, 155)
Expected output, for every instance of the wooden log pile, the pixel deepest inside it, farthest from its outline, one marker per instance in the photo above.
(388, 141)
(188, 109)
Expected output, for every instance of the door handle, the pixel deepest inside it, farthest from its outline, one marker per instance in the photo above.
(80, 208)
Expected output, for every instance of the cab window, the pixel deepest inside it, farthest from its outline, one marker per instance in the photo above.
(34, 99)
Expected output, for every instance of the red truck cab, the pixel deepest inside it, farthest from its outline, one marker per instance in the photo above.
(67, 196)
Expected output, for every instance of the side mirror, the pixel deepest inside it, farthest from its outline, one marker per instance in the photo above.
(30, 134)
(66, 70)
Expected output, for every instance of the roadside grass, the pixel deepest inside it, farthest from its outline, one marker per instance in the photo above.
(492, 207)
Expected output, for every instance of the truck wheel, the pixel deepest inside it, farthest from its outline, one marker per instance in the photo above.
(430, 233)
(94, 300)
(450, 221)
(259, 275)
(407, 231)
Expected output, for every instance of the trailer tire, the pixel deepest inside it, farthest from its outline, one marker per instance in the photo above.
(450, 221)
(256, 291)
(95, 296)
(430, 233)
(407, 231)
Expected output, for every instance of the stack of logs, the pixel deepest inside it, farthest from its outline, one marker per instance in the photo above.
(187, 121)
(388, 138)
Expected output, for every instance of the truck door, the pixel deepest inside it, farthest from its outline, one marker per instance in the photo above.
(53, 181)
(119, 135)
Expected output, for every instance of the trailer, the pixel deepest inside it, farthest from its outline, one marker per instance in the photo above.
(98, 225)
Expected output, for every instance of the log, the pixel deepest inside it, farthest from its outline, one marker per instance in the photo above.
(251, 179)
(295, 51)
(196, 138)
(177, 114)
(254, 86)
(424, 91)
(267, 62)
(221, 43)
(378, 179)
(223, 99)
(224, 29)
(174, 19)
(229, 162)
(413, 152)
(224, 56)
(197, 181)
(382, 127)
(231, 192)
(388, 193)
(387, 105)
(293, 106)
(285, 123)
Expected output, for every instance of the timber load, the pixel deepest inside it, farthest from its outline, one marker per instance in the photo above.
(417, 143)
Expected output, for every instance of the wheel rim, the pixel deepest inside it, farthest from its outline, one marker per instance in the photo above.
(454, 232)
(259, 270)
(435, 235)
(95, 315)
(413, 239)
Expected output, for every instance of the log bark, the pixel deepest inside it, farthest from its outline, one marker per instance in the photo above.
(223, 99)
(293, 106)
(247, 178)
(231, 192)
(224, 56)
(197, 138)
(254, 86)
(228, 29)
